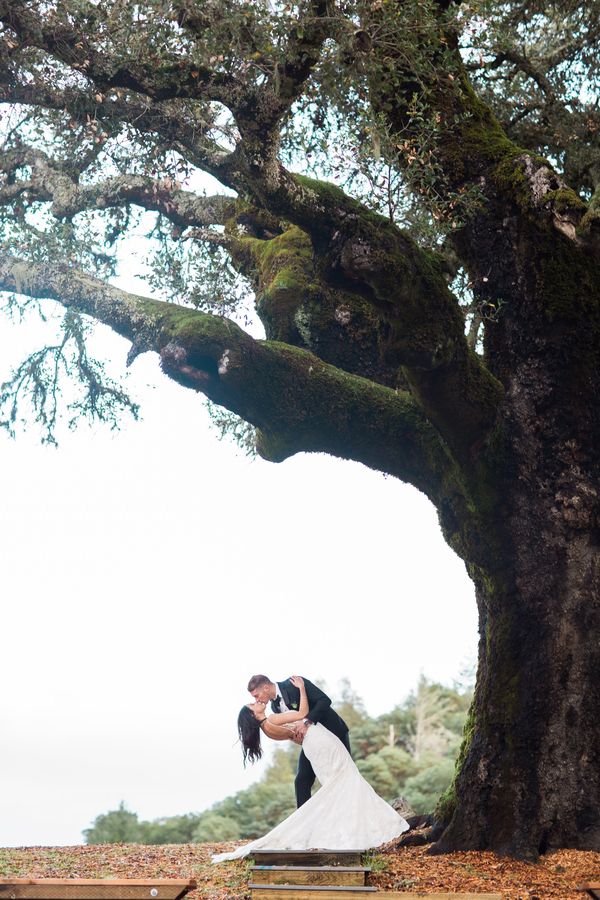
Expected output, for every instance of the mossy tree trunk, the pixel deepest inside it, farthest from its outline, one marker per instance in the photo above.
(365, 354)
(528, 776)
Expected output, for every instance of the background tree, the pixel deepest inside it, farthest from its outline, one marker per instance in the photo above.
(434, 315)
(114, 827)
(431, 706)
(215, 827)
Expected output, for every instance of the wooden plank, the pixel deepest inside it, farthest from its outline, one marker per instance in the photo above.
(262, 868)
(308, 857)
(314, 892)
(420, 895)
(260, 892)
(94, 888)
(590, 887)
(188, 883)
(332, 875)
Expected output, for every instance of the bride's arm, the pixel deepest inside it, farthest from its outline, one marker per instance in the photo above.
(283, 718)
(299, 682)
(278, 732)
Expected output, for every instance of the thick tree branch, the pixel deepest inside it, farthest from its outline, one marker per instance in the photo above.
(366, 254)
(298, 306)
(461, 135)
(175, 78)
(174, 125)
(183, 208)
(523, 64)
(51, 181)
(258, 107)
(363, 253)
(259, 110)
(299, 56)
(325, 409)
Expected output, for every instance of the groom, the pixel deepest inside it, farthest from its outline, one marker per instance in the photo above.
(285, 697)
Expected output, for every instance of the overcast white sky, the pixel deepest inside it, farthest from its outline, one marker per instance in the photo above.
(146, 574)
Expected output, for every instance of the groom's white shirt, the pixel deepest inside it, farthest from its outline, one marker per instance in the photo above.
(283, 707)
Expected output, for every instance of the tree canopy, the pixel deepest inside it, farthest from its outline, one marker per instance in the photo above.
(405, 194)
(113, 109)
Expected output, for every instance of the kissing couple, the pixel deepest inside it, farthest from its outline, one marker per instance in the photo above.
(345, 812)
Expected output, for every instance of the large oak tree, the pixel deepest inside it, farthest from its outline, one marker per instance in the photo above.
(409, 188)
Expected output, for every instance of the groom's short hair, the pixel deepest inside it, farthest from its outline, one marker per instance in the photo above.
(256, 681)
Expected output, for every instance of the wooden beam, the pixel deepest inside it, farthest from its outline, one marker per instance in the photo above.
(309, 892)
(280, 892)
(94, 888)
(331, 875)
(308, 857)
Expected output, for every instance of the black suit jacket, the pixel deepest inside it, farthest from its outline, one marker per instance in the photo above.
(319, 706)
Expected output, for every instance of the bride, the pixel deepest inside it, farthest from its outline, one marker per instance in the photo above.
(344, 814)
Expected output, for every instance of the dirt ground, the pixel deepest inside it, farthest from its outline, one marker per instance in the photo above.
(411, 869)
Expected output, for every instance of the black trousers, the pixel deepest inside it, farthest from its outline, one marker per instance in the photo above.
(305, 777)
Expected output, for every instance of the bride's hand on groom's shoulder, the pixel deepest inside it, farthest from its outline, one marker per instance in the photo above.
(297, 680)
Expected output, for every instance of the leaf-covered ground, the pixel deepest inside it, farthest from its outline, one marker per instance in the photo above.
(554, 878)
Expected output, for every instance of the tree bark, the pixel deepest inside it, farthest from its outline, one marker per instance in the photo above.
(529, 774)
(528, 777)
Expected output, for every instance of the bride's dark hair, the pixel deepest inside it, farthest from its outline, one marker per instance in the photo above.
(249, 732)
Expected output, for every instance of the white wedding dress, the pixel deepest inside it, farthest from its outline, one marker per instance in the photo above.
(344, 814)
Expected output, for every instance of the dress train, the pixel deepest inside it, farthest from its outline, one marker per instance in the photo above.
(344, 814)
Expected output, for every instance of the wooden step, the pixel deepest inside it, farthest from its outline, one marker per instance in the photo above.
(309, 892)
(354, 876)
(307, 857)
